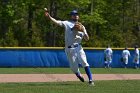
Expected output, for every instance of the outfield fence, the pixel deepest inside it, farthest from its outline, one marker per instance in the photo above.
(55, 57)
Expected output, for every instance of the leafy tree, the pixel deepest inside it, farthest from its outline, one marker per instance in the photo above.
(114, 22)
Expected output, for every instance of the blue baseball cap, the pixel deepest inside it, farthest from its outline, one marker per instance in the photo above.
(74, 12)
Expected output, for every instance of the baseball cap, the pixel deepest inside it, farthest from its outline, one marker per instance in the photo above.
(136, 46)
(74, 12)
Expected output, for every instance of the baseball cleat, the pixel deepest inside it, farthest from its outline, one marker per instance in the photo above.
(91, 83)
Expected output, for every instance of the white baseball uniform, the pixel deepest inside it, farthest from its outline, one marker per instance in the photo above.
(136, 56)
(125, 55)
(73, 48)
(108, 55)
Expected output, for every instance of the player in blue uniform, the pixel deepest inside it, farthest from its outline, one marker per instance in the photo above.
(136, 57)
(73, 47)
(125, 56)
(108, 56)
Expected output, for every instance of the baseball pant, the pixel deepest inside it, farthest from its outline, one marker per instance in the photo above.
(76, 56)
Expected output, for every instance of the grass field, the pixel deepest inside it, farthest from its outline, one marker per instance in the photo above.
(67, 71)
(113, 86)
(131, 86)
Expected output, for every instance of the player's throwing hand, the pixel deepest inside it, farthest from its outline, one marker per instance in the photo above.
(46, 12)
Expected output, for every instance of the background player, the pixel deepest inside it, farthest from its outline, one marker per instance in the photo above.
(108, 56)
(73, 48)
(125, 56)
(136, 57)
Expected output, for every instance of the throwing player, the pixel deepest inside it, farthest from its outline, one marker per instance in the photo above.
(125, 56)
(108, 56)
(73, 47)
(136, 57)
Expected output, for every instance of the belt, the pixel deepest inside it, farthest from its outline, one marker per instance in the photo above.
(74, 45)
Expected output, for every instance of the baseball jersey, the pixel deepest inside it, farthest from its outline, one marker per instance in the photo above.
(136, 53)
(125, 53)
(108, 52)
(71, 36)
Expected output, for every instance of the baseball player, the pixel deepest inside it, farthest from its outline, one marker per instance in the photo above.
(136, 57)
(125, 56)
(73, 47)
(108, 56)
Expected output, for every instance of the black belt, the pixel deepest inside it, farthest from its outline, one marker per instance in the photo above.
(74, 45)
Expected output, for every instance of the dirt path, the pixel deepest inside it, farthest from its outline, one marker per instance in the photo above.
(62, 77)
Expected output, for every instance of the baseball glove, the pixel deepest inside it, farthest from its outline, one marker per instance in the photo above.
(78, 27)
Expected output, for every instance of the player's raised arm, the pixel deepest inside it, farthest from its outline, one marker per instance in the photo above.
(51, 18)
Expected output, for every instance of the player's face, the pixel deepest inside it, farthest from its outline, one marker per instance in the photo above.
(75, 17)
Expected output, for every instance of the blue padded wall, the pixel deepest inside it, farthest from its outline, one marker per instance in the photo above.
(55, 58)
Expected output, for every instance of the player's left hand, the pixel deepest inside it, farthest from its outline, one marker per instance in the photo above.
(78, 27)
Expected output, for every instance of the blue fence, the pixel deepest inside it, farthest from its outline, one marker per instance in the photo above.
(44, 57)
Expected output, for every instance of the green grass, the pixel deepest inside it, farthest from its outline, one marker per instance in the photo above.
(125, 86)
(113, 86)
(67, 71)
